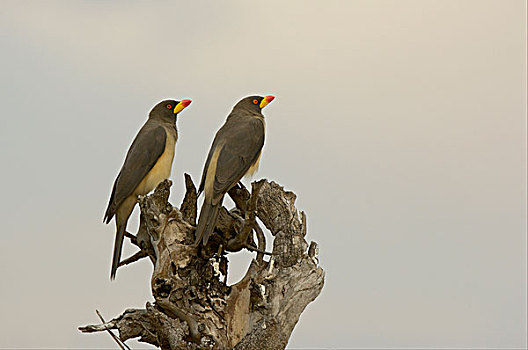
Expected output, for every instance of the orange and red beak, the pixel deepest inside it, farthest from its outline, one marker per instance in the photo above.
(266, 100)
(181, 106)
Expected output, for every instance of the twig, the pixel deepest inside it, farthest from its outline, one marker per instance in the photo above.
(119, 342)
(139, 255)
(92, 328)
(254, 249)
(133, 238)
(261, 241)
(175, 312)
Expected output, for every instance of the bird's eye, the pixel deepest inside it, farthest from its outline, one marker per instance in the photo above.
(169, 106)
(255, 102)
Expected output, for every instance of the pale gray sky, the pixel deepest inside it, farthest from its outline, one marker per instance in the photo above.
(401, 125)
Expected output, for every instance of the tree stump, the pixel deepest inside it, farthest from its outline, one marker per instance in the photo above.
(194, 308)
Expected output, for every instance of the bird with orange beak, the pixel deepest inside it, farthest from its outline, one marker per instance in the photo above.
(147, 163)
(235, 152)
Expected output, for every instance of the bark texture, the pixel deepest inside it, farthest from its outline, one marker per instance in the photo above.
(194, 308)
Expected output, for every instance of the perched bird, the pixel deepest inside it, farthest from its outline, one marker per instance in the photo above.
(147, 163)
(235, 152)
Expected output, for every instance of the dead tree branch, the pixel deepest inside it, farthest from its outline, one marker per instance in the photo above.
(194, 308)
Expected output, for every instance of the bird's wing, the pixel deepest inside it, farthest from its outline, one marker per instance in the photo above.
(142, 155)
(206, 165)
(240, 144)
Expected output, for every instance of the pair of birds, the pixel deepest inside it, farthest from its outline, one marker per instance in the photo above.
(235, 152)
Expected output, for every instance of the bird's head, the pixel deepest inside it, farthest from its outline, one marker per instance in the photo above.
(169, 108)
(254, 103)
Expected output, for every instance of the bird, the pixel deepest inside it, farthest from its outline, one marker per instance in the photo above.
(235, 153)
(147, 163)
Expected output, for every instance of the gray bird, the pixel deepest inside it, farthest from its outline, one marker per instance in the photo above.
(235, 152)
(147, 163)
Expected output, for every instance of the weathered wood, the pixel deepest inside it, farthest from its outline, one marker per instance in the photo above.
(240, 240)
(188, 206)
(240, 195)
(194, 307)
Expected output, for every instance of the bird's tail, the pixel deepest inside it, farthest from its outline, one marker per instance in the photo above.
(118, 245)
(206, 222)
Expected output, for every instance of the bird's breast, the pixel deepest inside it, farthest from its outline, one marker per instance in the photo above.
(161, 170)
(254, 167)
